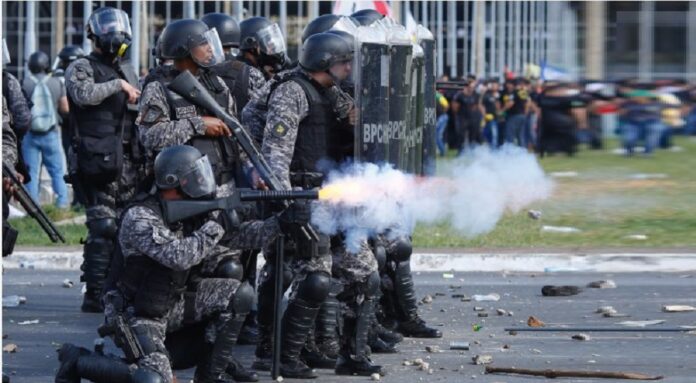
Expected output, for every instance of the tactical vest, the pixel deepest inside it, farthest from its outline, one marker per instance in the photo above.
(222, 152)
(312, 137)
(151, 288)
(235, 74)
(105, 119)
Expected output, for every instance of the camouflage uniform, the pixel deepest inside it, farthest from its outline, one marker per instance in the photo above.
(9, 139)
(256, 83)
(17, 104)
(104, 201)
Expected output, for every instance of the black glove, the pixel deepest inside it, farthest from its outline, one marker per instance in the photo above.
(297, 214)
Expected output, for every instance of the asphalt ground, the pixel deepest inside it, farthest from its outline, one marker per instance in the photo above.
(640, 295)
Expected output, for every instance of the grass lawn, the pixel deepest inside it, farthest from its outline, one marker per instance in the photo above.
(608, 200)
(611, 197)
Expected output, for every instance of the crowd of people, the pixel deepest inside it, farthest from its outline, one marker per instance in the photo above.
(555, 116)
(178, 292)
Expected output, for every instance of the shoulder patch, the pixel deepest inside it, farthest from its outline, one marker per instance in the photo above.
(280, 130)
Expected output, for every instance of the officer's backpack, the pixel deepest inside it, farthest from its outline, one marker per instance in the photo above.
(43, 113)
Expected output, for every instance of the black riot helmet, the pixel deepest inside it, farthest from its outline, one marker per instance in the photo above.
(226, 26)
(321, 24)
(190, 38)
(110, 29)
(323, 50)
(185, 168)
(367, 16)
(259, 33)
(38, 62)
(248, 29)
(350, 39)
(68, 54)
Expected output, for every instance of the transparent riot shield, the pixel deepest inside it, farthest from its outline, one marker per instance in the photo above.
(415, 138)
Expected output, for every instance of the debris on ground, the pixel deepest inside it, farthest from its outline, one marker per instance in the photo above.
(535, 322)
(492, 297)
(459, 345)
(407, 363)
(447, 275)
(482, 359)
(677, 308)
(559, 229)
(427, 299)
(375, 376)
(606, 310)
(549, 373)
(637, 237)
(418, 362)
(483, 315)
(560, 291)
(501, 312)
(476, 327)
(534, 214)
(68, 283)
(26, 322)
(641, 323)
(581, 337)
(10, 348)
(564, 174)
(425, 366)
(478, 308)
(13, 301)
(608, 284)
(432, 349)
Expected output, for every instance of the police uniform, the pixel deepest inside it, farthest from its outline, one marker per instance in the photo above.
(100, 117)
(244, 81)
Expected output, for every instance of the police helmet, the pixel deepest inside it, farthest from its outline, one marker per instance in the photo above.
(321, 24)
(70, 53)
(226, 26)
(323, 50)
(110, 29)
(184, 167)
(190, 38)
(248, 29)
(38, 62)
(367, 16)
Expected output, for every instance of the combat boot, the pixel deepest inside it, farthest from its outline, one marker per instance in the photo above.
(326, 338)
(313, 357)
(353, 358)
(68, 355)
(241, 374)
(264, 350)
(299, 317)
(250, 330)
(410, 324)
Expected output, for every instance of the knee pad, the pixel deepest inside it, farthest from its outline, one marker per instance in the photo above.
(401, 249)
(103, 228)
(380, 255)
(243, 299)
(315, 288)
(372, 284)
(145, 375)
(230, 269)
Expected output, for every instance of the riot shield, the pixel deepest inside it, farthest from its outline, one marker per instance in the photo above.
(415, 137)
(371, 76)
(429, 146)
(400, 90)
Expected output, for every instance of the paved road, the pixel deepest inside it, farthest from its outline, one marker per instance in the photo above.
(639, 295)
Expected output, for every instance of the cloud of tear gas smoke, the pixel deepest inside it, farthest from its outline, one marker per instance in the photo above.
(472, 192)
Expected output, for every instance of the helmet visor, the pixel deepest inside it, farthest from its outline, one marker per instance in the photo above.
(5, 53)
(208, 51)
(271, 41)
(198, 181)
(109, 20)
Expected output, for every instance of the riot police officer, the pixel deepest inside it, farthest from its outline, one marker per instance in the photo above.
(159, 292)
(245, 81)
(102, 93)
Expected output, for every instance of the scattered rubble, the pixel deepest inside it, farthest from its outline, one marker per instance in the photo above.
(608, 284)
(26, 322)
(535, 322)
(13, 301)
(559, 229)
(581, 337)
(68, 283)
(641, 323)
(478, 308)
(501, 312)
(427, 299)
(459, 345)
(560, 291)
(10, 348)
(375, 376)
(432, 349)
(606, 310)
(677, 308)
(482, 359)
(492, 297)
(483, 315)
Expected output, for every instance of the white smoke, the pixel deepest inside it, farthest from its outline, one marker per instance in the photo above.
(472, 192)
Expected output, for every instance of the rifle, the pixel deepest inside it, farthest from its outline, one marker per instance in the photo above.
(30, 205)
(194, 92)
(179, 210)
